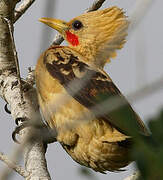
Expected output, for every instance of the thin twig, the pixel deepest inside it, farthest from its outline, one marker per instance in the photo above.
(20, 170)
(58, 39)
(22, 8)
(96, 5)
(31, 76)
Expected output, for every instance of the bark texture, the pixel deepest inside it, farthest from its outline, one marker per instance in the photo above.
(25, 108)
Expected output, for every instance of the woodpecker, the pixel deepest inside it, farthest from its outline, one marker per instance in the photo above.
(72, 86)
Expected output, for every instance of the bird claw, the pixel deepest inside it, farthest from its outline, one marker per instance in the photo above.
(18, 128)
(6, 109)
(48, 135)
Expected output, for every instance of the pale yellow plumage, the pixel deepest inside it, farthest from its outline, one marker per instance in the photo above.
(100, 142)
(108, 37)
(85, 140)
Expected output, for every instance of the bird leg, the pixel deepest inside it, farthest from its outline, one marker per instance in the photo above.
(21, 124)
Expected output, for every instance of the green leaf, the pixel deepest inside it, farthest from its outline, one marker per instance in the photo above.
(148, 151)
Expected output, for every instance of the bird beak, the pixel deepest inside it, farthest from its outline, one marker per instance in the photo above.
(57, 24)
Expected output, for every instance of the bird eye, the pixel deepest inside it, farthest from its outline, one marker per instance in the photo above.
(76, 25)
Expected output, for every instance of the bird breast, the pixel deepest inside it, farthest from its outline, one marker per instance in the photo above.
(89, 141)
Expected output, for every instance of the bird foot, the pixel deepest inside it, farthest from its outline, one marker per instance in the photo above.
(48, 135)
(21, 124)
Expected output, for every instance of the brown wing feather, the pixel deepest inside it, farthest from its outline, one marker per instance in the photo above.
(97, 88)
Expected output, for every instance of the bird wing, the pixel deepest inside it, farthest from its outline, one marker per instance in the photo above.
(98, 93)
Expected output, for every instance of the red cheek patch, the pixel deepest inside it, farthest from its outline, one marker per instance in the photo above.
(72, 38)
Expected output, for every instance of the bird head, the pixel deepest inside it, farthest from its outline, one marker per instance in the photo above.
(95, 35)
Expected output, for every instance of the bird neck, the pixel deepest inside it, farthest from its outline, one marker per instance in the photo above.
(89, 52)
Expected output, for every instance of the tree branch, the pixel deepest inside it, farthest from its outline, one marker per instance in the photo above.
(22, 9)
(29, 110)
(96, 5)
(15, 54)
(26, 108)
(58, 39)
(31, 76)
(13, 166)
(35, 161)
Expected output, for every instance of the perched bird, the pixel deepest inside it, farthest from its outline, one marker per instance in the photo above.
(72, 86)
